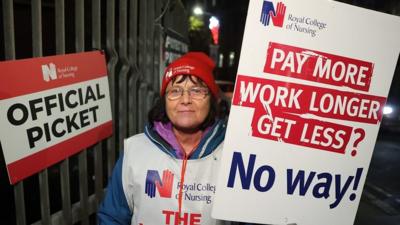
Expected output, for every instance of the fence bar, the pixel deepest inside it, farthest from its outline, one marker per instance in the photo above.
(8, 26)
(150, 55)
(143, 65)
(79, 26)
(142, 33)
(134, 78)
(37, 28)
(156, 47)
(113, 58)
(150, 44)
(148, 96)
(133, 28)
(44, 197)
(123, 73)
(9, 46)
(142, 92)
(98, 154)
(82, 157)
(83, 190)
(19, 202)
(143, 39)
(65, 192)
(96, 24)
(37, 52)
(64, 165)
(60, 26)
(98, 173)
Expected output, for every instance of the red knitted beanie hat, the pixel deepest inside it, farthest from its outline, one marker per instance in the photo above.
(197, 64)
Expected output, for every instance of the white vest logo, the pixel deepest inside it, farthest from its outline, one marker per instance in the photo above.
(49, 72)
(163, 186)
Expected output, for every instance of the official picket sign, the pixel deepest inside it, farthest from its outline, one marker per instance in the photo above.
(312, 82)
(51, 108)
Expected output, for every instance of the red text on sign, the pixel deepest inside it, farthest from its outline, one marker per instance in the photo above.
(304, 99)
(173, 218)
(304, 132)
(318, 66)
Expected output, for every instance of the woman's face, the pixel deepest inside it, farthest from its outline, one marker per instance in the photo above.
(186, 113)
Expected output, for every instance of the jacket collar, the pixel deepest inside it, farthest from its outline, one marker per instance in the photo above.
(207, 145)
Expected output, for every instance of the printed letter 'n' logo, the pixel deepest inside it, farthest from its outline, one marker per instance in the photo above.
(163, 186)
(268, 13)
(49, 72)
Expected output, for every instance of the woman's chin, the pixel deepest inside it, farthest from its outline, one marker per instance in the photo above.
(187, 127)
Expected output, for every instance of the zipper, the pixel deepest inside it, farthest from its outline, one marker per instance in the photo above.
(182, 180)
(180, 195)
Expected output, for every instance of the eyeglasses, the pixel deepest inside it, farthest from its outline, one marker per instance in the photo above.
(194, 92)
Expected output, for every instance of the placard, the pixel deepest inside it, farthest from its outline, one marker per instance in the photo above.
(51, 108)
(312, 82)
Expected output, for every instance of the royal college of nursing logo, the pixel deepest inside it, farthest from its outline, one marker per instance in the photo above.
(269, 12)
(169, 73)
(52, 72)
(49, 72)
(163, 186)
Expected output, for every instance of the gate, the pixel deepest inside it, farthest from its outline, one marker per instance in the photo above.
(132, 33)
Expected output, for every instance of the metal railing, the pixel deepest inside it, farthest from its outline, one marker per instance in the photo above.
(131, 33)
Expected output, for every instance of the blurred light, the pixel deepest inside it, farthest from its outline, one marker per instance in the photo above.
(220, 60)
(214, 27)
(214, 22)
(198, 10)
(387, 110)
(231, 58)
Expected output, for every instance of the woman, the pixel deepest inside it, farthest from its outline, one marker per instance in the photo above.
(168, 174)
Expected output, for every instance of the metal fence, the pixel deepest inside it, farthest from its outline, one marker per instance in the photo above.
(132, 33)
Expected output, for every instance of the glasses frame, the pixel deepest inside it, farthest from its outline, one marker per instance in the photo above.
(189, 91)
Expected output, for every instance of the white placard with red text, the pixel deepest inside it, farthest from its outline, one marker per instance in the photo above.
(312, 82)
(51, 108)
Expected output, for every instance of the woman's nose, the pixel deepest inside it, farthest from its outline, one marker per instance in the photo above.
(186, 97)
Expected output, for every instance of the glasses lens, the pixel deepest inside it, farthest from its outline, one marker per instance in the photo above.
(174, 93)
(198, 92)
